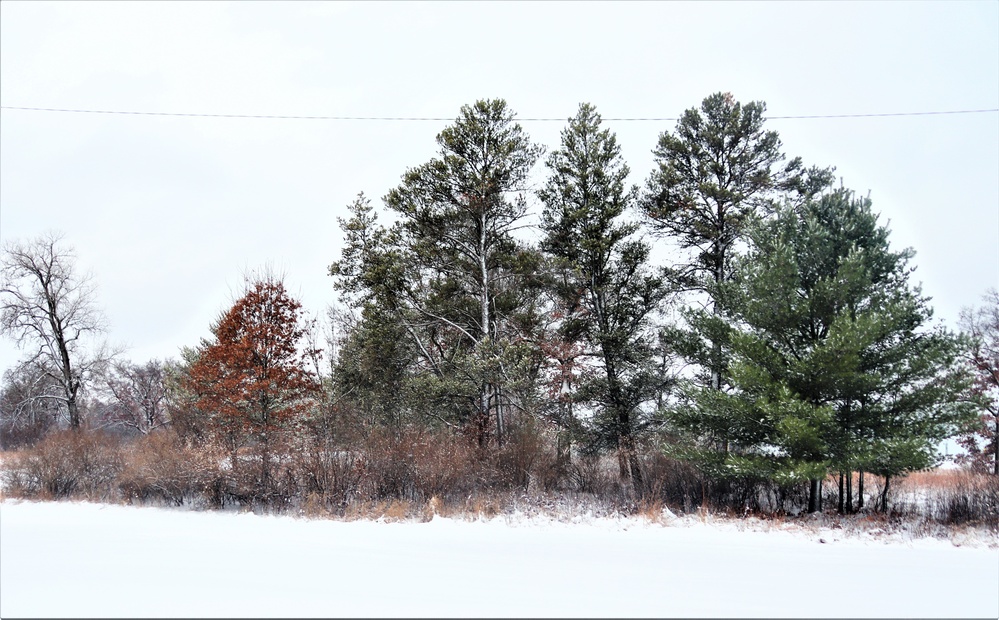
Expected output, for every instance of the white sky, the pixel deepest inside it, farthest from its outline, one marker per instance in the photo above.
(169, 212)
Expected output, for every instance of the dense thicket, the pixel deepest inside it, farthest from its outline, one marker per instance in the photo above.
(736, 332)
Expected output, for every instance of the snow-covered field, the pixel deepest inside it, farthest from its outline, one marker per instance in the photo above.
(90, 560)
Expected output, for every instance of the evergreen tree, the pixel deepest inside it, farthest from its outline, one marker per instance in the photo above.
(714, 173)
(373, 366)
(834, 365)
(608, 277)
(448, 269)
(372, 370)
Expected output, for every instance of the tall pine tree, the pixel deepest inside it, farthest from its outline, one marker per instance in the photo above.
(609, 279)
(449, 266)
(716, 171)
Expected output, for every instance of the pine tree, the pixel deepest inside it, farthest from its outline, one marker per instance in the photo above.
(448, 270)
(608, 277)
(374, 365)
(714, 173)
(834, 365)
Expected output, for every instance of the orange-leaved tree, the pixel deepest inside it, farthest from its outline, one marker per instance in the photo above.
(253, 380)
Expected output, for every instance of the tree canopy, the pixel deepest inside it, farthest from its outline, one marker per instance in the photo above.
(835, 365)
(252, 380)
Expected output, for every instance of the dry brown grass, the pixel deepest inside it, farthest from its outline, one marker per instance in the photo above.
(479, 506)
(948, 496)
(938, 479)
(5, 457)
(315, 507)
(160, 467)
(433, 507)
(653, 510)
(390, 510)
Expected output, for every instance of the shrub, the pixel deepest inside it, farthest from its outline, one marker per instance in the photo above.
(68, 463)
(159, 466)
(592, 474)
(416, 464)
(948, 496)
(672, 482)
(523, 458)
(331, 477)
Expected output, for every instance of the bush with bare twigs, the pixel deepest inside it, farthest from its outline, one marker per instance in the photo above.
(415, 464)
(330, 478)
(159, 466)
(415, 473)
(524, 461)
(955, 496)
(64, 464)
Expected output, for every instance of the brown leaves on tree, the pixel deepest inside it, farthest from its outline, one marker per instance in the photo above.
(254, 376)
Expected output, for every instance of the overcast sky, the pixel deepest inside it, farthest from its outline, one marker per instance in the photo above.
(169, 212)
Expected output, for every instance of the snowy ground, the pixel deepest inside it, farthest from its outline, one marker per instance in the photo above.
(90, 560)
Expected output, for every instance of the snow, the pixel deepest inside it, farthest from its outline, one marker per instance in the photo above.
(93, 560)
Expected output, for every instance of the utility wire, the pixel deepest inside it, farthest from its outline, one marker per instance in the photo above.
(441, 118)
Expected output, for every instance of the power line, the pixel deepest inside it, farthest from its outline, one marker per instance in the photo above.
(888, 114)
(441, 118)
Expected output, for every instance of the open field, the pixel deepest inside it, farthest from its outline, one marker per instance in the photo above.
(88, 560)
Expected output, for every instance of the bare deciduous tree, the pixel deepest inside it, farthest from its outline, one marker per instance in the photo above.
(138, 396)
(981, 324)
(29, 406)
(50, 312)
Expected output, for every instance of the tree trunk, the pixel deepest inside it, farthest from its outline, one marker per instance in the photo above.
(615, 401)
(70, 385)
(716, 310)
(627, 462)
(488, 389)
(622, 461)
(72, 388)
(860, 490)
(716, 349)
(265, 466)
(849, 491)
(842, 495)
(637, 481)
(563, 453)
(481, 427)
(500, 416)
(884, 496)
(813, 494)
(995, 445)
(74, 412)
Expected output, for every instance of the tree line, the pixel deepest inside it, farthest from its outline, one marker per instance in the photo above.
(738, 313)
